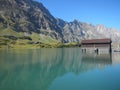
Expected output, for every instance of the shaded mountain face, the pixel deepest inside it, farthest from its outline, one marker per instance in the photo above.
(30, 16)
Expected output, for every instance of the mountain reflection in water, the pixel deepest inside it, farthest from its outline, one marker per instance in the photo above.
(36, 69)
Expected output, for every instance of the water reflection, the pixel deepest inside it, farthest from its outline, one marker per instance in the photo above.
(95, 58)
(36, 69)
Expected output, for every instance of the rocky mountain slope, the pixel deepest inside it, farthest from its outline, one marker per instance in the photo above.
(76, 31)
(28, 16)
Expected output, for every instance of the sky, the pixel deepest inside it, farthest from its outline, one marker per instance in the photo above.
(106, 12)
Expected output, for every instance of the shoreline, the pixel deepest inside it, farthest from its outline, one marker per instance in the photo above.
(37, 46)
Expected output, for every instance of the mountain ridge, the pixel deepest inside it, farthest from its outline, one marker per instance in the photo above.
(30, 16)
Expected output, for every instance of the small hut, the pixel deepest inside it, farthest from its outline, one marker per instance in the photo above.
(96, 45)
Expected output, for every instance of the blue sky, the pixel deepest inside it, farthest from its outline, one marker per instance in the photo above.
(105, 12)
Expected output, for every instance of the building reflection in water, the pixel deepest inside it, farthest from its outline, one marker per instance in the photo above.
(36, 69)
(96, 60)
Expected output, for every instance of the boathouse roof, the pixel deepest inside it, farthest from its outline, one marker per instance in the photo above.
(91, 41)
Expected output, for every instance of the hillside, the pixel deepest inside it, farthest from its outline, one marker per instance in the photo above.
(27, 22)
(76, 31)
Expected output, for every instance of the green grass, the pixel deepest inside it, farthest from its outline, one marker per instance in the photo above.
(10, 32)
(37, 40)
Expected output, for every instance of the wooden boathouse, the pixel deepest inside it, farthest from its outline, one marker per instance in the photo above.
(96, 45)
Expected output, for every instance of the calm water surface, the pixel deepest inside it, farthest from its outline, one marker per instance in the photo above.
(58, 69)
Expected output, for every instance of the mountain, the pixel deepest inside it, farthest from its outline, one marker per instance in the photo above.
(36, 24)
(75, 31)
(28, 16)
(112, 33)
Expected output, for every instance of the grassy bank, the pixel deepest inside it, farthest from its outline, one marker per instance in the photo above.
(12, 39)
(27, 42)
(30, 46)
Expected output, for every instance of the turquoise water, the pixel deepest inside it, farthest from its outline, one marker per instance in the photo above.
(58, 69)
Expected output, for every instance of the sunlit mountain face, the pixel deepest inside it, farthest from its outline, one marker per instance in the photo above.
(28, 16)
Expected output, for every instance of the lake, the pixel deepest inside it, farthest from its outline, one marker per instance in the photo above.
(58, 69)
